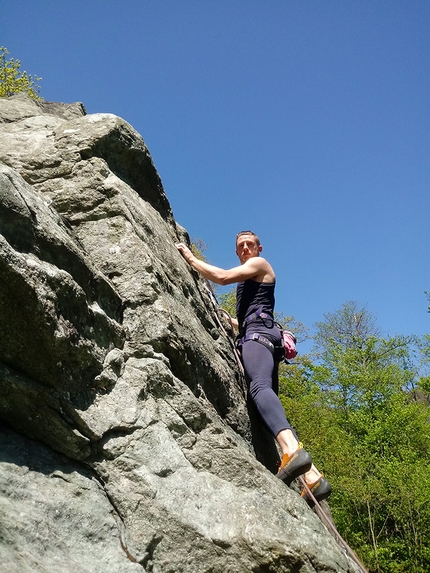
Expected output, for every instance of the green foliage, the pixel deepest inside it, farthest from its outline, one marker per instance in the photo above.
(357, 412)
(347, 327)
(198, 247)
(301, 332)
(381, 499)
(13, 81)
(227, 301)
(423, 345)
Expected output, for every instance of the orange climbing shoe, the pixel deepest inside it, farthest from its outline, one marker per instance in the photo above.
(321, 489)
(295, 465)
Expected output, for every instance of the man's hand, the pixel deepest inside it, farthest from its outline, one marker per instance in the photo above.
(185, 252)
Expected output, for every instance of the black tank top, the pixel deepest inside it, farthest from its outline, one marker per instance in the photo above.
(251, 297)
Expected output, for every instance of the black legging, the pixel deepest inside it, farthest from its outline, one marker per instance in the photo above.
(261, 370)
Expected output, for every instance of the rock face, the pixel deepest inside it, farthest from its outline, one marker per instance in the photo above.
(126, 440)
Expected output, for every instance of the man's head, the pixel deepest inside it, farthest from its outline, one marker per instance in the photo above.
(247, 245)
(250, 233)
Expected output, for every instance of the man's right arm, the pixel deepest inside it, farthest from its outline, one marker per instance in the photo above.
(250, 269)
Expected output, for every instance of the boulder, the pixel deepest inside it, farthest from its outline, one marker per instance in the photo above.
(127, 439)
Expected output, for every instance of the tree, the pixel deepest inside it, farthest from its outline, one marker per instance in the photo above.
(13, 81)
(373, 439)
(198, 247)
(347, 327)
(227, 301)
(421, 392)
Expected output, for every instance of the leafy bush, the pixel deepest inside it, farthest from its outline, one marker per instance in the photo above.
(13, 81)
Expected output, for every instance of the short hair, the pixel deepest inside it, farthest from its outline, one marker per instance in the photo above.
(257, 240)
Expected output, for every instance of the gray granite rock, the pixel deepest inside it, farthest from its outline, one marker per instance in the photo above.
(112, 356)
(55, 515)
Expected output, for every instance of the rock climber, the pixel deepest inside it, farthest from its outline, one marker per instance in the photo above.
(255, 301)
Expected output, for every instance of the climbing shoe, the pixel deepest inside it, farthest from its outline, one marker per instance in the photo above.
(321, 489)
(295, 465)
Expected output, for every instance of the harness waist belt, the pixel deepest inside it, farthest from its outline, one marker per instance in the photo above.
(259, 338)
(254, 316)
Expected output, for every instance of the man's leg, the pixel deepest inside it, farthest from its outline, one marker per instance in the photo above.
(258, 364)
(261, 372)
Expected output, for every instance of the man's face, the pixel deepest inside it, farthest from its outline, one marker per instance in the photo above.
(246, 248)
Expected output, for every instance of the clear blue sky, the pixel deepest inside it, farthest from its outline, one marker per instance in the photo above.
(306, 121)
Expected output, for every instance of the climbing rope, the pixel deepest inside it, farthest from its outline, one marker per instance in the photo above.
(230, 336)
(332, 528)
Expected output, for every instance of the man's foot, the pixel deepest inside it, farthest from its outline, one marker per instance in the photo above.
(321, 489)
(294, 466)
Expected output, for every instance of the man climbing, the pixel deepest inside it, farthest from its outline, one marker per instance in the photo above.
(255, 303)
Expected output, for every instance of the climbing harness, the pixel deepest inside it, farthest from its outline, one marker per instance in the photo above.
(259, 338)
(256, 315)
(288, 340)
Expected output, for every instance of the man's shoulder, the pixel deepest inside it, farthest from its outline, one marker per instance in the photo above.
(258, 261)
(263, 263)
(262, 268)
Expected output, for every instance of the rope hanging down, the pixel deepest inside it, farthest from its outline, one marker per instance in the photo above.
(331, 527)
(230, 337)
